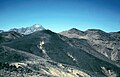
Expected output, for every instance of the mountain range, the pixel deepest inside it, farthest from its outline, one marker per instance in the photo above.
(28, 30)
(37, 52)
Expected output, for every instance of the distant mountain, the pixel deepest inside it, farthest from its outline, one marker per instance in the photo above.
(28, 30)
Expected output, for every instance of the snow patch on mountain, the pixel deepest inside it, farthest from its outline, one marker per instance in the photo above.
(71, 57)
(41, 46)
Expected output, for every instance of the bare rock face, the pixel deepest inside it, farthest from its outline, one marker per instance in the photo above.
(47, 54)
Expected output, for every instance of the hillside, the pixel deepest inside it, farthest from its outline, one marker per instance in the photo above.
(61, 52)
(107, 44)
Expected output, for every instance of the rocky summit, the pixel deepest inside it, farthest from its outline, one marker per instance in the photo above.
(28, 30)
(38, 52)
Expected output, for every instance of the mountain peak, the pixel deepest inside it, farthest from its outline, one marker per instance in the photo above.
(29, 30)
(76, 31)
(73, 29)
(37, 25)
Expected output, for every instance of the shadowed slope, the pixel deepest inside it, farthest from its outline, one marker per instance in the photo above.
(52, 46)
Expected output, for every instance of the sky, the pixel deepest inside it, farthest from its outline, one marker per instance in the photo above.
(60, 15)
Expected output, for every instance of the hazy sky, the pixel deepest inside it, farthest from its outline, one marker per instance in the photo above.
(59, 15)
